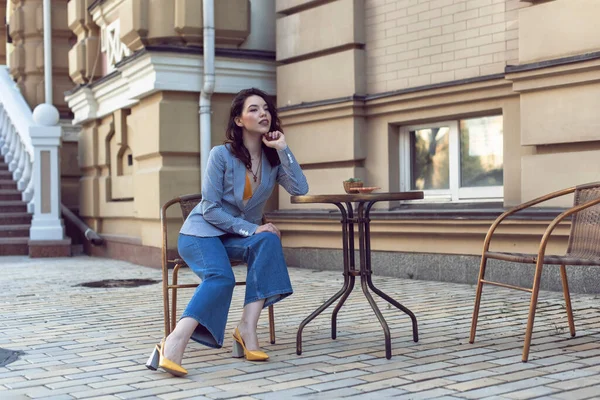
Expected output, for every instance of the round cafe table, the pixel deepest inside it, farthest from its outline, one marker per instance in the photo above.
(363, 204)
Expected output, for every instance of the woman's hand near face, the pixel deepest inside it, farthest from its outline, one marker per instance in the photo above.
(275, 140)
(268, 228)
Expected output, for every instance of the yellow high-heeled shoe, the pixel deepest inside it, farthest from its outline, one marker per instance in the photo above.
(158, 360)
(240, 350)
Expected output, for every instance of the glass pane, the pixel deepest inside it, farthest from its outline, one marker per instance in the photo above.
(429, 158)
(481, 152)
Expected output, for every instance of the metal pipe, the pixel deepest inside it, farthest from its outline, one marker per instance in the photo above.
(208, 13)
(47, 52)
(89, 234)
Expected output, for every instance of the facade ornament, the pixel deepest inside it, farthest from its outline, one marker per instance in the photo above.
(112, 46)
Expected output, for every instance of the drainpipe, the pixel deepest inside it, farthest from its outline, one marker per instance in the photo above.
(208, 13)
(47, 52)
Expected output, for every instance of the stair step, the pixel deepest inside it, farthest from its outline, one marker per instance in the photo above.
(7, 184)
(14, 218)
(9, 194)
(14, 246)
(13, 231)
(3, 166)
(5, 174)
(7, 206)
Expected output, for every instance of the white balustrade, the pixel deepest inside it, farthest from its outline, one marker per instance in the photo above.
(30, 147)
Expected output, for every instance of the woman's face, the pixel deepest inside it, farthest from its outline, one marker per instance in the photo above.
(255, 116)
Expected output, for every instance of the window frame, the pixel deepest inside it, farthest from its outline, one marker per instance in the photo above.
(455, 193)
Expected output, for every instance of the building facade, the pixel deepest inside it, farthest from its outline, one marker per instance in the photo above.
(482, 104)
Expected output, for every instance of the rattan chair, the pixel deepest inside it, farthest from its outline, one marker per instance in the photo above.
(186, 204)
(583, 249)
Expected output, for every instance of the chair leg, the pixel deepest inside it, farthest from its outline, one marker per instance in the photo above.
(271, 324)
(166, 314)
(532, 306)
(477, 298)
(565, 285)
(174, 296)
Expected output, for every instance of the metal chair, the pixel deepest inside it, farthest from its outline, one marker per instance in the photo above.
(186, 204)
(583, 249)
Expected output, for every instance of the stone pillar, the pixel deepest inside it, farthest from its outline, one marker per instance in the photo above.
(47, 232)
(321, 62)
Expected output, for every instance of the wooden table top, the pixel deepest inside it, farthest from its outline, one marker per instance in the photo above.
(356, 197)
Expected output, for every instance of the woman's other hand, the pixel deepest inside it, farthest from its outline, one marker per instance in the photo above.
(275, 140)
(268, 228)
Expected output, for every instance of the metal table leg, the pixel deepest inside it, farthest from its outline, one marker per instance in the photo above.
(348, 254)
(346, 288)
(369, 273)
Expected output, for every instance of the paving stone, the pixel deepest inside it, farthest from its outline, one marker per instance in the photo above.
(569, 375)
(470, 376)
(69, 353)
(332, 394)
(575, 383)
(67, 383)
(335, 384)
(425, 385)
(474, 384)
(429, 367)
(428, 394)
(341, 375)
(102, 391)
(381, 384)
(590, 392)
(194, 393)
(291, 384)
(136, 394)
(284, 394)
(505, 388)
(35, 382)
(539, 391)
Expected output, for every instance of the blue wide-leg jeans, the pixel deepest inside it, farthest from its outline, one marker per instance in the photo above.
(267, 278)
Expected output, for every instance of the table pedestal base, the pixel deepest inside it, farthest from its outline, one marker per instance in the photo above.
(350, 274)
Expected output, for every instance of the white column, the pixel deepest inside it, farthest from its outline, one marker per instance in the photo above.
(45, 135)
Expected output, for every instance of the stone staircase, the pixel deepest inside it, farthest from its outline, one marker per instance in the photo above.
(14, 219)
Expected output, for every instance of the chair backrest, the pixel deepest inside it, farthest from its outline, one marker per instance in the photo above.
(187, 203)
(584, 240)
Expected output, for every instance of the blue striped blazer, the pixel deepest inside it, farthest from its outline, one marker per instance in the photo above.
(222, 209)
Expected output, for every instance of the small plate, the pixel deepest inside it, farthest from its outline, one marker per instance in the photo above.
(368, 189)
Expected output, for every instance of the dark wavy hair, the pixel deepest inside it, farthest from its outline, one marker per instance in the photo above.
(234, 133)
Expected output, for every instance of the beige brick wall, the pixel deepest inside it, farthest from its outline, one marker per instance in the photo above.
(412, 43)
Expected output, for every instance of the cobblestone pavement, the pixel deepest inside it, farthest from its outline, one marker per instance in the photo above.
(81, 342)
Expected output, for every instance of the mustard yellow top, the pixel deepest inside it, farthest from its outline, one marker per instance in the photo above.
(247, 188)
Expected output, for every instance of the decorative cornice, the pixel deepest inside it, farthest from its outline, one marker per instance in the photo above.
(320, 103)
(70, 133)
(441, 85)
(552, 63)
(95, 4)
(395, 93)
(556, 74)
(219, 52)
(148, 72)
(100, 12)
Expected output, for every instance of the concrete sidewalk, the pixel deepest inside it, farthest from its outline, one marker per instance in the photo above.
(81, 342)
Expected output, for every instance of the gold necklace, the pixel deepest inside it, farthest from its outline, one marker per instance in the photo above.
(255, 175)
